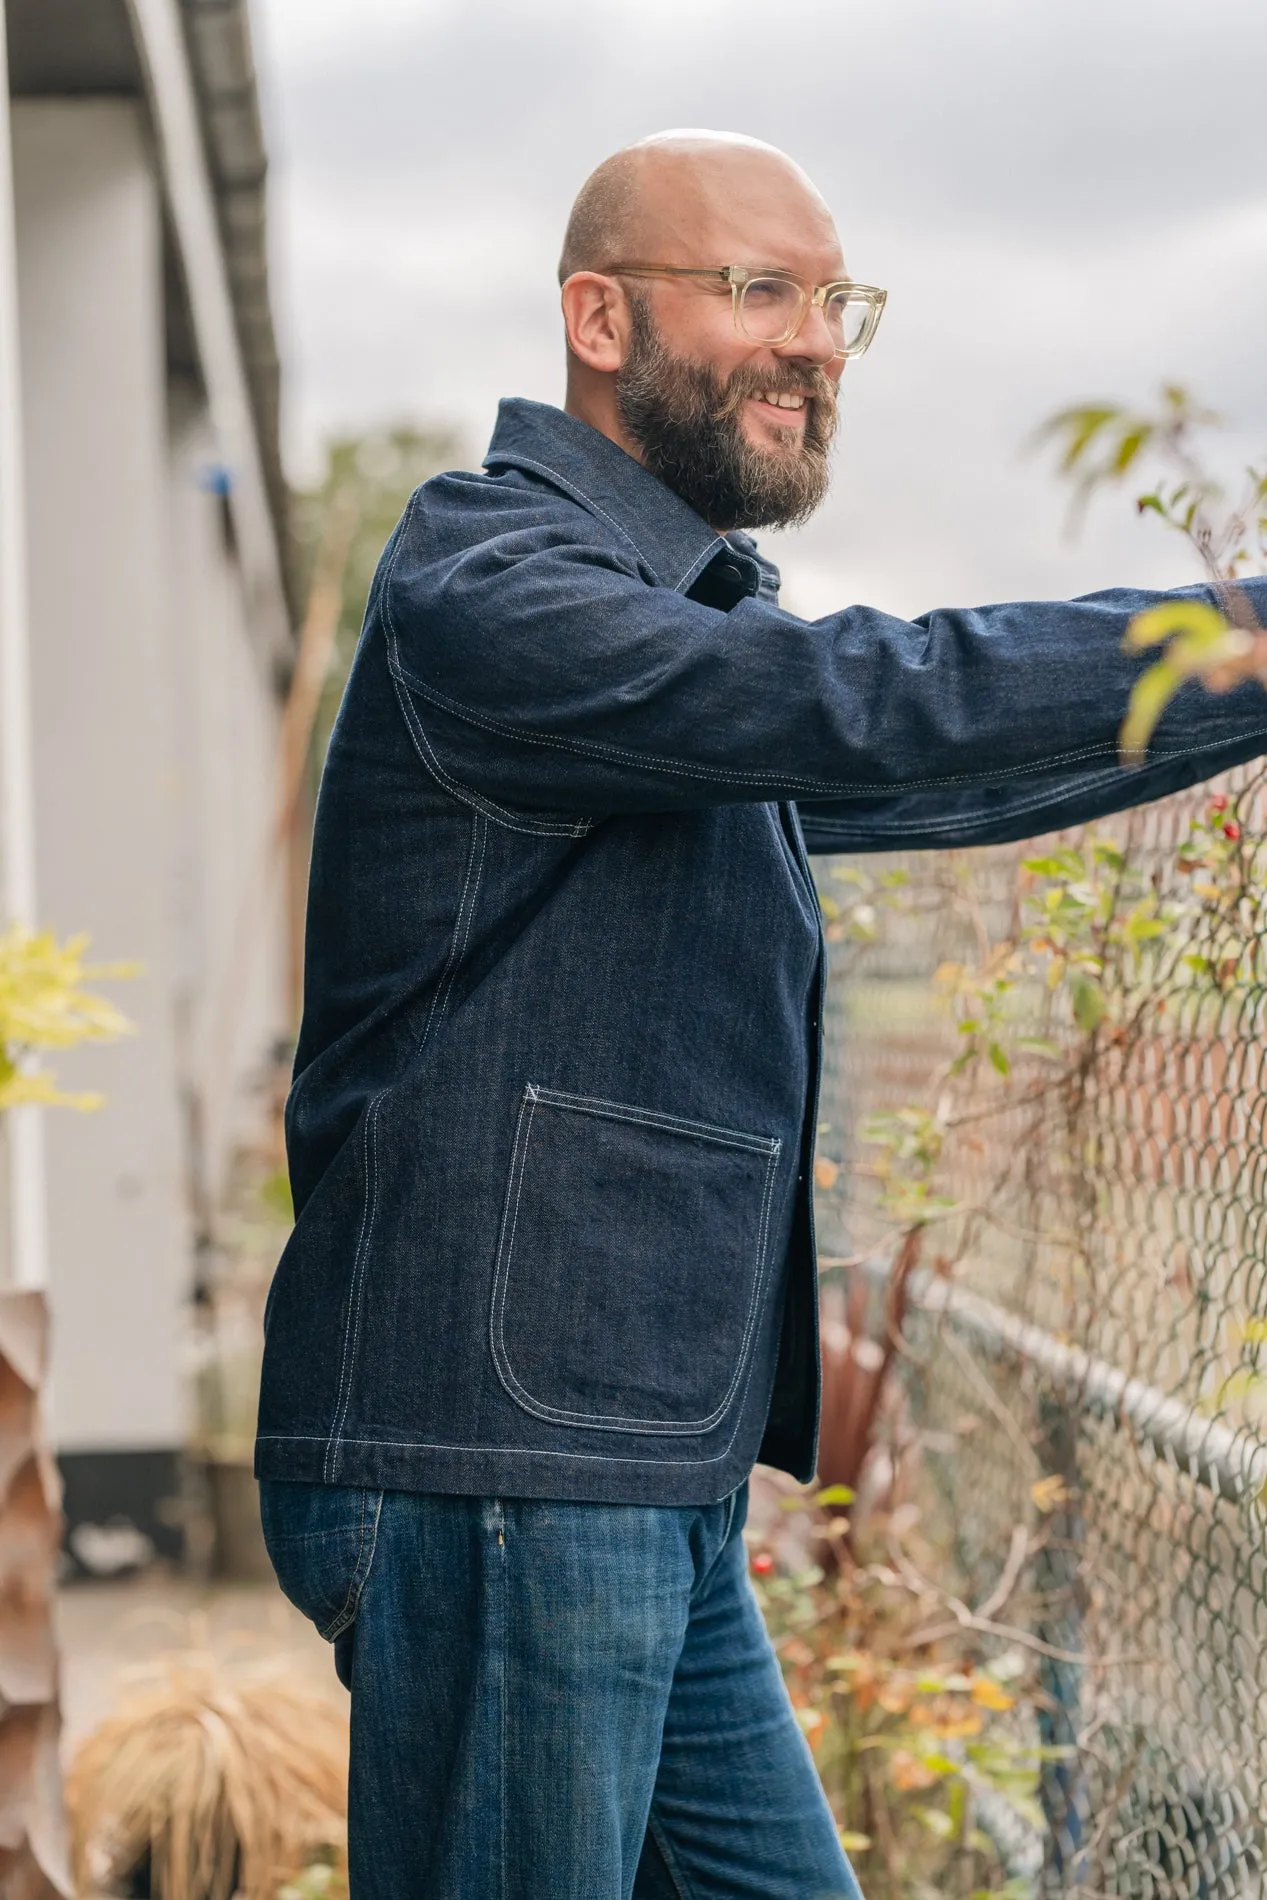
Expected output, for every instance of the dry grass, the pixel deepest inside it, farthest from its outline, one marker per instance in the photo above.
(220, 1780)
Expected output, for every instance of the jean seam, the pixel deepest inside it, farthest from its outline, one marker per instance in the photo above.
(361, 1569)
(685, 1887)
(503, 1548)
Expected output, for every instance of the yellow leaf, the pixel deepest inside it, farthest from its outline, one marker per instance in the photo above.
(1048, 1494)
(826, 1173)
(854, 1843)
(43, 1005)
(987, 1694)
(834, 1494)
(39, 1090)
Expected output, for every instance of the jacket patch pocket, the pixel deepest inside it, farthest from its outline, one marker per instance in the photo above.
(630, 1265)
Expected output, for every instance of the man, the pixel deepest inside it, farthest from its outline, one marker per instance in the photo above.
(551, 1290)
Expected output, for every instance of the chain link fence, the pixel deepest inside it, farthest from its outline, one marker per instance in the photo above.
(1049, 1059)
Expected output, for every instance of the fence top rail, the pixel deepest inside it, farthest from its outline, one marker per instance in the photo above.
(1229, 1461)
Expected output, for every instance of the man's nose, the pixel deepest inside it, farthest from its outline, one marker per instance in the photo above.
(813, 342)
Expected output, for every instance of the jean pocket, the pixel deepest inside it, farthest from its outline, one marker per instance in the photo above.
(320, 1540)
(632, 1255)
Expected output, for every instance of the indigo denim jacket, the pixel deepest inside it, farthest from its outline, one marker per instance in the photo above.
(554, 1103)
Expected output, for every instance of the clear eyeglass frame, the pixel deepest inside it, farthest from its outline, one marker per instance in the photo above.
(742, 280)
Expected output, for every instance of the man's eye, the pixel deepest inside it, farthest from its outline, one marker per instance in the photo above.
(768, 292)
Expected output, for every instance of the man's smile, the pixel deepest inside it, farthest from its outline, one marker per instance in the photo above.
(781, 409)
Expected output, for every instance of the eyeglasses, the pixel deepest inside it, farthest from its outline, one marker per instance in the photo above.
(771, 306)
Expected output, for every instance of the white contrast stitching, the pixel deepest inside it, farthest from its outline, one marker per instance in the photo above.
(426, 752)
(654, 762)
(417, 733)
(656, 1118)
(479, 832)
(497, 1451)
(952, 821)
(670, 1124)
(587, 501)
(352, 1330)
(557, 480)
(369, 1159)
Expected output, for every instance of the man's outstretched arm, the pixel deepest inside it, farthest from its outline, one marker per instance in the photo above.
(542, 669)
(1003, 814)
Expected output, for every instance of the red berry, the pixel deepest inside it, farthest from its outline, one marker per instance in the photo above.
(1232, 830)
(1218, 802)
(763, 1563)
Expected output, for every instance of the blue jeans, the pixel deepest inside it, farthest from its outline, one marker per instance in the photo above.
(556, 1701)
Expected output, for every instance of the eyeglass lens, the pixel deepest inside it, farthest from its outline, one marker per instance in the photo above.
(770, 310)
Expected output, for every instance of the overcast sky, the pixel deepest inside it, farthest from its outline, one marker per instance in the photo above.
(1064, 198)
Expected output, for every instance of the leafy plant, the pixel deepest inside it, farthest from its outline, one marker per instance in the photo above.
(910, 1734)
(44, 1005)
(1102, 444)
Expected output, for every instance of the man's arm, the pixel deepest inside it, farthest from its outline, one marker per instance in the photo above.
(1000, 814)
(536, 665)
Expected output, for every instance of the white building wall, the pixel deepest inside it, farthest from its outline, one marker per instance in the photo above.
(107, 749)
(231, 1004)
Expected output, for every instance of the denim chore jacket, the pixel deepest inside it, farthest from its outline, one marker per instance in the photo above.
(552, 1122)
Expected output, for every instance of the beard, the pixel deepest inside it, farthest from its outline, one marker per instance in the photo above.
(684, 418)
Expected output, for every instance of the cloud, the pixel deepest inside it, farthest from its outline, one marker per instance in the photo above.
(1063, 200)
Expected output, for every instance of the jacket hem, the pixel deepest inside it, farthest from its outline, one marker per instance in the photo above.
(494, 1472)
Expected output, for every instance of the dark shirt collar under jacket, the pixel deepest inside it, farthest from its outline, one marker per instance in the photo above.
(674, 543)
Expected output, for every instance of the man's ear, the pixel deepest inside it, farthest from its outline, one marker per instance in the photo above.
(596, 315)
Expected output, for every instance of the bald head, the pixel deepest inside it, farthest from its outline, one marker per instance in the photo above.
(674, 197)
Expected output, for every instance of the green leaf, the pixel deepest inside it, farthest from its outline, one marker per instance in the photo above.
(1079, 426)
(1088, 1004)
(1038, 1046)
(1143, 924)
(1129, 446)
(938, 1824)
(1057, 864)
(999, 1058)
(1150, 696)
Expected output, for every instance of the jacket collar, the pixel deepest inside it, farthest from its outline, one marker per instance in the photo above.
(665, 532)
